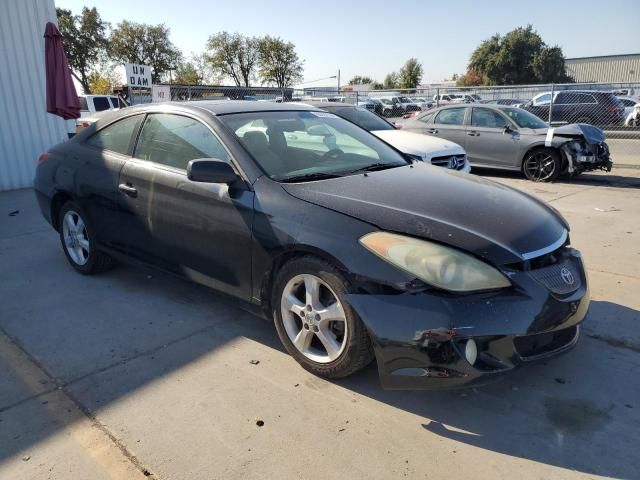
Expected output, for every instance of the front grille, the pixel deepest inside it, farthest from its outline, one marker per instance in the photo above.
(454, 162)
(561, 278)
(530, 347)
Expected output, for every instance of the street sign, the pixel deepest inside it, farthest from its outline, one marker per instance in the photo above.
(160, 93)
(138, 75)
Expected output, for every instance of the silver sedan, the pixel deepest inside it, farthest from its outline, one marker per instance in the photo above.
(510, 138)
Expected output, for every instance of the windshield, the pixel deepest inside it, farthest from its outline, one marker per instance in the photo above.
(363, 118)
(405, 100)
(386, 101)
(523, 118)
(306, 145)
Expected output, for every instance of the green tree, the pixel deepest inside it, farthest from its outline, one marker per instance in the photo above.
(188, 73)
(145, 44)
(410, 74)
(376, 86)
(519, 57)
(360, 80)
(85, 42)
(234, 56)
(279, 62)
(390, 81)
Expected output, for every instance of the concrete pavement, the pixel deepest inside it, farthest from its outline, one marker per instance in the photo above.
(135, 374)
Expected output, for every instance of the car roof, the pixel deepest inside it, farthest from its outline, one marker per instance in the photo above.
(225, 107)
(330, 105)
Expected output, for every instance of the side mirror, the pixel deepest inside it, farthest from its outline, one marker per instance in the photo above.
(210, 170)
(507, 129)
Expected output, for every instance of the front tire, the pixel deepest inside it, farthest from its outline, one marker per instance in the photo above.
(314, 321)
(79, 241)
(542, 165)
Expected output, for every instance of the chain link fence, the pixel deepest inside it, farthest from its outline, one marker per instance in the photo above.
(614, 107)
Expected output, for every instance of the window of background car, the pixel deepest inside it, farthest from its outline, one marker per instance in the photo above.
(83, 103)
(485, 117)
(115, 137)
(425, 118)
(627, 103)
(101, 103)
(299, 143)
(522, 118)
(543, 99)
(405, 100)
(450, 116)
(364, 119)
(174, 140)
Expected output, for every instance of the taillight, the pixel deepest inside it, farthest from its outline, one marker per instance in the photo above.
(43, 157)
(612, 108)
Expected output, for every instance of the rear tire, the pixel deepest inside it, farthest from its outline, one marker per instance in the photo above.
(542, 165)
(314, 321)
(79, 241)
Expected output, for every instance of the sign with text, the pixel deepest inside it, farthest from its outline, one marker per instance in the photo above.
(138, 75)
(160, 93)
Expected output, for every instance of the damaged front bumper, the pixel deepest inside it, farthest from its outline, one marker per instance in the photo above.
(583, 147)
(420, 339)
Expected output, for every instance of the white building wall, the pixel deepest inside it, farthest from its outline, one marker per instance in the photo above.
(26, 129)
(609, 69)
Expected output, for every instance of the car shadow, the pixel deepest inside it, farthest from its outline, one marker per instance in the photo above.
(562, 413)
(599, 179)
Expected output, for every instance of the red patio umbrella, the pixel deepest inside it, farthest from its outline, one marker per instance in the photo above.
(62, 99)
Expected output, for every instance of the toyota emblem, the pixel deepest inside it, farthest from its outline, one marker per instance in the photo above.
(567, 276)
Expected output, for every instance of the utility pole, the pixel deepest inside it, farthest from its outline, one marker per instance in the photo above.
(338, 81)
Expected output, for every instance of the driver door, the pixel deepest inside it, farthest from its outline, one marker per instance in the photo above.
(199, 230)
(487, 141)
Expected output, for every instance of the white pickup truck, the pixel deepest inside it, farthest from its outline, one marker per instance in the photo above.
(92, 104)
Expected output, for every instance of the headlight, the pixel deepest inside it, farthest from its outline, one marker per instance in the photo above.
(435, 264)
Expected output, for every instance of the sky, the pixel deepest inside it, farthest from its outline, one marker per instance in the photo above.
(375, 37)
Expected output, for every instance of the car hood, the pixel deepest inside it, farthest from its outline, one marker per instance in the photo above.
(493, 221)
(419, 144)
(592, 135)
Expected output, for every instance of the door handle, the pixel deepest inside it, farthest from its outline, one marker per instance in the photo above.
(128, 189)
(473, 133)
(432, 130)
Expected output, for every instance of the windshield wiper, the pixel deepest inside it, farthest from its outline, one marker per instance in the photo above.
(375, 167)
(308, 177)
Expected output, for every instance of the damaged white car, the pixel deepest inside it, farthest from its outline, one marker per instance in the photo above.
(508, 138)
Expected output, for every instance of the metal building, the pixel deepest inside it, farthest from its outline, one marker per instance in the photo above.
(26, 129)
(605, 69)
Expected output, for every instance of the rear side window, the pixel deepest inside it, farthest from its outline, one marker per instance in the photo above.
(101, 103)
(115, 137)
(174, 140)
(450, 116)
(484, 117)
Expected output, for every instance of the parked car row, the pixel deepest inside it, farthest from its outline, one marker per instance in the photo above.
(354, 249)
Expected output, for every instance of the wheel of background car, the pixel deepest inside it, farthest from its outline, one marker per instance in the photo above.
(78, 241)
(314, 321)
(542, 165)
(331, 153)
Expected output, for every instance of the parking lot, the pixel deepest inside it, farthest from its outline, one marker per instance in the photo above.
(135, 374)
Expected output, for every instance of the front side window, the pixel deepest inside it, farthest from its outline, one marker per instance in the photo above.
(307, 145)
(101, 103)
(174, 140)
(450, 116)
(522, 118)
(115, 137)
(426, 118)
(484, 117)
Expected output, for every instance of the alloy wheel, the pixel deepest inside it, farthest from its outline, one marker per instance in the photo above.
(76, 239)
(313, 318)
(540, 166)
